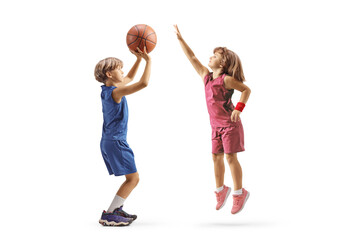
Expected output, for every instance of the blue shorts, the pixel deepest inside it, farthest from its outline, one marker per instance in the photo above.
(118, 157)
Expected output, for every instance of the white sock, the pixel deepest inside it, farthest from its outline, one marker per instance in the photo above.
(117, 202)
(220, 188)
(238, 192)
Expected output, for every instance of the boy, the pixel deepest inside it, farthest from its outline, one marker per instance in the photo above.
(118, 156)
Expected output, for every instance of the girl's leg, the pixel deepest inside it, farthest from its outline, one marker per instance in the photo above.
(130, 183)
(219, 168)
(236, 171)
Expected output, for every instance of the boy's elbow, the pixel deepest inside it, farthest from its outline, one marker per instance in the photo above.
(144, 84)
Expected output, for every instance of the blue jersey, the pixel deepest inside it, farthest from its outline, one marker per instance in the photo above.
(115, 115)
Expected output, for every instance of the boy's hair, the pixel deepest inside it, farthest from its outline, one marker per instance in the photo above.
(106, 65)
(231, 62)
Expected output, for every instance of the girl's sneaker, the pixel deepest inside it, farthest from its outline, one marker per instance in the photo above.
(119, 211)
(113, 219)
(222, 196)
(239, 201)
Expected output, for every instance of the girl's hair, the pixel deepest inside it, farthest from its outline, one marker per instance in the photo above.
(106, 65)
(231, 62)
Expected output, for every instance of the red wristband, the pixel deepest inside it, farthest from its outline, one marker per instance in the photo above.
(240, 106)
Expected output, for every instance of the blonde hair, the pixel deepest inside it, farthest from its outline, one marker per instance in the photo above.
(231, 63)
(106, 65)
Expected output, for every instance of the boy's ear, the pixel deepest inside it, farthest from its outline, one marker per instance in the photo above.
(108, 74)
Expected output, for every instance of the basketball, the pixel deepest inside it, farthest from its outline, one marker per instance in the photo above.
(139, 36)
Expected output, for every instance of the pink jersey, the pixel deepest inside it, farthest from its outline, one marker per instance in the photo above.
(218, 100)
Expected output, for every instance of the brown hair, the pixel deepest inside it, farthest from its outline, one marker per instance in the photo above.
(231, 62)
(106, 65)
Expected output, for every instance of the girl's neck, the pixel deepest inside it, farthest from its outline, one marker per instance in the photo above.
(217, 73)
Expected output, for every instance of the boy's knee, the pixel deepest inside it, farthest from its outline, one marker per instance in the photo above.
(133, 178)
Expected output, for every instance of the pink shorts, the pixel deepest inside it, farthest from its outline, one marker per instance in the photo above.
(227, 139)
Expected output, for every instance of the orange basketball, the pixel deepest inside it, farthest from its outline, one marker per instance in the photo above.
(141, 35)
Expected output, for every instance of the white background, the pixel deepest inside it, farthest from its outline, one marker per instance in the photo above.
(301, 164)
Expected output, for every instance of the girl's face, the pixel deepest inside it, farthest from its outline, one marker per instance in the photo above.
(117, 75)
(215, 61)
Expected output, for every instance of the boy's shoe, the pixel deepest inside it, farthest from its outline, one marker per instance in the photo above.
(222, 196)
(119, 211)
(113, 219)
(239, 201)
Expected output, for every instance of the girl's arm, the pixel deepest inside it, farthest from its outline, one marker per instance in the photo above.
(200, 69)
(130, 76)
(232, 83)
(119, 92)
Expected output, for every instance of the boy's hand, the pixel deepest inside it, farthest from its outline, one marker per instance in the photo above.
(235, 116)
(137, 54)
(178, 34)
(144, 54)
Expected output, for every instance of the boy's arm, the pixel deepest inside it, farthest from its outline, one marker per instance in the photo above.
(119, 92)
(130, 76)
(200, 69)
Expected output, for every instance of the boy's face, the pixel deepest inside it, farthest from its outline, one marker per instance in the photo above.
(215, 61)
(117, 75)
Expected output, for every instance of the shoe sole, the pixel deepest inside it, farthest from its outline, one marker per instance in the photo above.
(227, 195)
(112, 223)
(247, 196)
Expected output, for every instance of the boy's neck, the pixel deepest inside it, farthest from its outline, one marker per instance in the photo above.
(110, 83)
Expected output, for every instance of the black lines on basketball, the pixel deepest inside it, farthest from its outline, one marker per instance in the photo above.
(148, 39)
(140, 36)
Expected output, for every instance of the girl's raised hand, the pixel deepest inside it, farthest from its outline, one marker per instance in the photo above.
(178, 34)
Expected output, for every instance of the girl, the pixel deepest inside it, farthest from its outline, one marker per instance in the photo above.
(118, 156)
(227, 130)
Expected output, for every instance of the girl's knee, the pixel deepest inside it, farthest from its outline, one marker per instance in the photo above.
(231, 157)
(218, 157)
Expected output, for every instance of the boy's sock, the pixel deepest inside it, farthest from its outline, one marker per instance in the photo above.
(238, 192)
(220, 189)
(117, 202)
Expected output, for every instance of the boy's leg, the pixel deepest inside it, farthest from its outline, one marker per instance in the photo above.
(130, 183)
(124, 191)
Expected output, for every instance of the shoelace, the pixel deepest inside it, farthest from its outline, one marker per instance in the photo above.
(124, 213)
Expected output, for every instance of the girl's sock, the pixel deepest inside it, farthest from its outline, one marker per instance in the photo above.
(220, 188)
(238, 192)
(117, 202)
